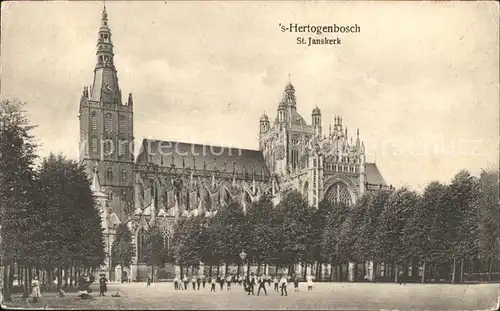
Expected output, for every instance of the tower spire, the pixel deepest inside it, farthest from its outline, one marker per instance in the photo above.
(105, 87)
(104, 19)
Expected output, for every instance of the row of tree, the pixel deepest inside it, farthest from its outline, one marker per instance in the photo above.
(49, 221)
(444, 229)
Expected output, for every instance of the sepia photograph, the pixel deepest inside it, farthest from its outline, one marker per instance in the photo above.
(250, 155)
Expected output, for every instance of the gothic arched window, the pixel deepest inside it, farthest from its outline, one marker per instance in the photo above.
(140, 245)
(108, 143)
(109, 174)
(306, 191)
(124, 174)
(339, 193)
(93, 146)
(93, 121)
(108, 122)
(121, 147)
(110, 195)
(123, 124)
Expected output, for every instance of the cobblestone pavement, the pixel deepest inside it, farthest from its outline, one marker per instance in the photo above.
(323, 296)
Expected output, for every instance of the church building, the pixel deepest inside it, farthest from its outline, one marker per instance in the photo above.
(170, 179)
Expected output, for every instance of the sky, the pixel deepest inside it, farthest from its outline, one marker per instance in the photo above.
(420, 80)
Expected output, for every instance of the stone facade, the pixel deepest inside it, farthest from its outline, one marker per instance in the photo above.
(171, 179)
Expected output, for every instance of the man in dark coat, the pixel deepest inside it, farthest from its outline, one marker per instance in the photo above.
(103, 287)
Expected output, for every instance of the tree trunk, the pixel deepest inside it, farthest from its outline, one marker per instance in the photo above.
(30, 277)
(19, 274)
(453, 271)
(461, 270)
(423, 273)
(374, 271)
(490, 268)
(7, 283)
(341, 273)
(210, 272)
(332, 270)
(59, 278)
(218, 269)
(396, 270)
(121, 276)
(66, 285)
(26, 284)
(225, 268)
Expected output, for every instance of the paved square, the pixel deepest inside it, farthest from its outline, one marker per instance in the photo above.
(323, 296)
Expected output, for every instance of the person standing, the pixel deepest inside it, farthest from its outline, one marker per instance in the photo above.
(310, 282)
(284, 283)
(275, 281)
(176, 283)
(203, 280)
(103, 287)
(149, 281)
(185, 281)
(228, 282)
(252, 285)
(296, 283)
(402, 279)
(221, 282)
(35, 289)
(198, 281)
(262, 285)
(212, 285)
(193, 281)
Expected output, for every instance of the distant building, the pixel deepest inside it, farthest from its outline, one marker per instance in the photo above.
(175, 179)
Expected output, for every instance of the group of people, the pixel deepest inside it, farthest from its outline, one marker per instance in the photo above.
(248, 283)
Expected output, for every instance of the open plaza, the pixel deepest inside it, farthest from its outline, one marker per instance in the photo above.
(332, 296)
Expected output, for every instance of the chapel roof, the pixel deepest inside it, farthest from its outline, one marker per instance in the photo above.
(373, 175)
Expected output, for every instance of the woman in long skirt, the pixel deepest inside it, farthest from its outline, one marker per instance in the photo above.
(35, 289)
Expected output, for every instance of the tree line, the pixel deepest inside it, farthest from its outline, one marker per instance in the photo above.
(445, 231)
(49, 221)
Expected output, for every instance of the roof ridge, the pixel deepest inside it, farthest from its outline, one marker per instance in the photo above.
(197, 144)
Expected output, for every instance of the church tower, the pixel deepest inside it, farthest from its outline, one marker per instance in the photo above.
(106, 128)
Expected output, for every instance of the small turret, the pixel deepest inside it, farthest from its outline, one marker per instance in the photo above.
(316, 121)
(264, 123)
(282, 112)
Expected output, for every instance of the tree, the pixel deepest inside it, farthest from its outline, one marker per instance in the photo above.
(122, 249)
(320, 218)
(427, 228)
(68, 218)
(298, 234)
(335, 244)
(366, 245)
(489, 217)
(17, 156)
(261, 230)
(394, 244)
(230, 233)
(463, 222)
